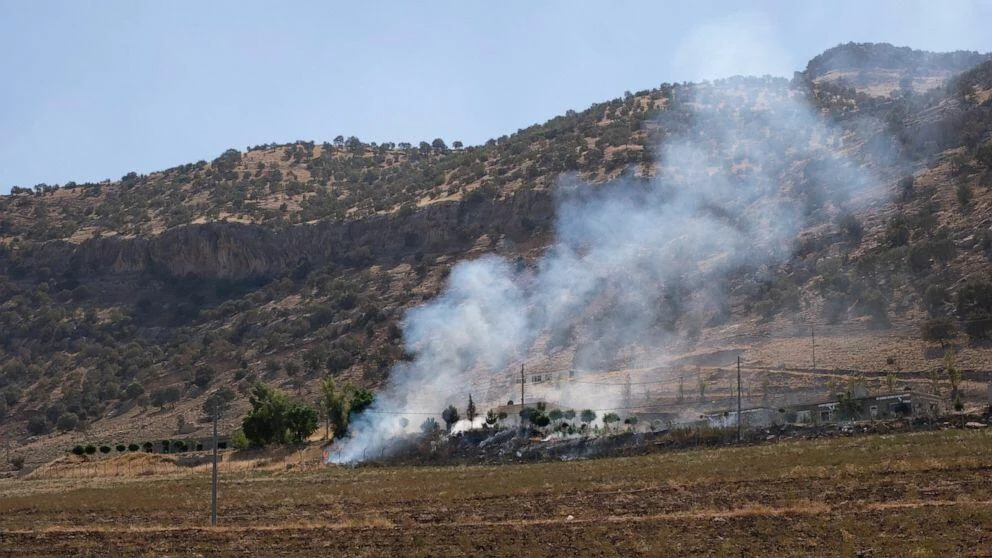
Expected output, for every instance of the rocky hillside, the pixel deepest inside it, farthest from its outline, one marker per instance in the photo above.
(126, 302)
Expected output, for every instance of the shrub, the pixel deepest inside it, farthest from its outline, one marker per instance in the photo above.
(37, 425)
(164, 396)
(104, 449)
(238, 439)
(17, 462)
(121, 448)
(204, 375)
(77, 450)
(90, 449)
(963, 194)
(974, 307)
(148, 447)
(133, 390)
(67, 421)
(939, 330)
(133, 447)
(935, 297)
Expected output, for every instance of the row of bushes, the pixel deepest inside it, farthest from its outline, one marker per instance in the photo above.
(168, 446)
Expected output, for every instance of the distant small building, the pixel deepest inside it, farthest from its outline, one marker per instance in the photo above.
(867, 407)
(757, 417)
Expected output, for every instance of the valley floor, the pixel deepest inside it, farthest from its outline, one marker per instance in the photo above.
(917, 494)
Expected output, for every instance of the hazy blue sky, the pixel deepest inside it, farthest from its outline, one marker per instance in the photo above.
(93, 90)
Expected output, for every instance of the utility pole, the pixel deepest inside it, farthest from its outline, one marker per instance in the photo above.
(521, 387)
(740, 419)
(213, 480)
(812, 335)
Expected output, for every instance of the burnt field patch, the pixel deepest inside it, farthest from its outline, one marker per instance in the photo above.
(917, 494)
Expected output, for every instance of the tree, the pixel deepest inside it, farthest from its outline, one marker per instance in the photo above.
(163, 396)
(974, 306)
(935, 297)
(963, 193)
(470, 412)
(430, 426)
(67, 421)
(439, 145)
(361, 399)
(275, 419)
(587, 416)
(133, 390)
(847, 406)
(938, 330)
(314, 359)
(37, 425)
(611, 418)
(450, 417)
(203, 376)
(953, 375)
(220, 400)
(301, 422)
(335, 404)
(457, 144)
(491, 418)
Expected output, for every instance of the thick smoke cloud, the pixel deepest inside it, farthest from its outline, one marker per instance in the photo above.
(636, 263)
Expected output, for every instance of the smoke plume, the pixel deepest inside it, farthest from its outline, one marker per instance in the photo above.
(639, 262)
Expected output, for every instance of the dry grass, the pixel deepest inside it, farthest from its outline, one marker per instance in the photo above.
(825, 497)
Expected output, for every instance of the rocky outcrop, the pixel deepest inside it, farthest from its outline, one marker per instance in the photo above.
(237, 251)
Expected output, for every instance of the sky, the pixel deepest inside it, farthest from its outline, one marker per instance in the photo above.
(91, 90)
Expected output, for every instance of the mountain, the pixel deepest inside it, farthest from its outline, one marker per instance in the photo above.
(884, 70)
(125, 303)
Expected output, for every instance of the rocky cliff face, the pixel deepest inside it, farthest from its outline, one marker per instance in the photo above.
(239, 251)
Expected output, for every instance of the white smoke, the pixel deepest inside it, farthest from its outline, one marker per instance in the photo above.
(634, 263)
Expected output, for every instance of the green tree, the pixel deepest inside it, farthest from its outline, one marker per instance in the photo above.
(301, 422)
(939, 330)
(68, 421)
(335, 405)
(611, 418)
(265, 422)
(450, 416)
(164, 396)
(361, 399)
(953, 375)
(587, 416)
(470, 412)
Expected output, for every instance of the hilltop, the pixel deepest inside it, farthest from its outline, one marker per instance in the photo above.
(126, 302)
